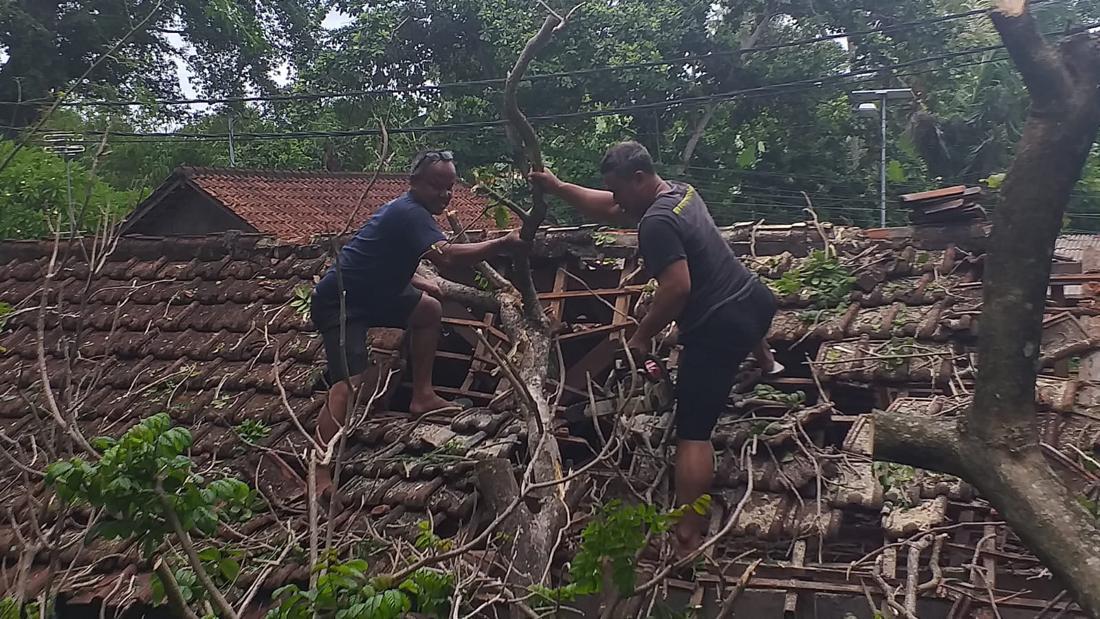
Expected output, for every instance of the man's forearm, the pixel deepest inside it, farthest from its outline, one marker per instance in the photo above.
(466, 254)
(666, 307)
(594, 203)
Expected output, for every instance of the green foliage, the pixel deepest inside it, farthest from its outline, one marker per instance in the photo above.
(34, 192)
(827, 282)
(767, 392)
(1090, 505)
(345, 591)
(303, 296)
(482, 282)
(895, 172)
(188, 583)
(610, 543)
(603, 239)
(818, 316)
(9, 608)
(894, 350)
(252, 430)
(6, 311)
(892, 476)
(124, 483)
(994, 181)
(501, 216)
(426, 539)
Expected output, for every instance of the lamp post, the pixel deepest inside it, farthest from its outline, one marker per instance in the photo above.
(870, 103)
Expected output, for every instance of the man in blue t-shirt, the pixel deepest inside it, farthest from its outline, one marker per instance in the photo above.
(377, 269)
(722, 311)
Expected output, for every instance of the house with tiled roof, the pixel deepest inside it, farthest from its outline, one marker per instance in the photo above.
(205, 328)
(287, 205)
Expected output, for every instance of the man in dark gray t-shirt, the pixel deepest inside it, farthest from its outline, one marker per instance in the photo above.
(722, 311)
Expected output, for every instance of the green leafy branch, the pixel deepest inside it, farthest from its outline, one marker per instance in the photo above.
(345, 591)
(302, 300)
(145, 483)
(827, 282)
(252, 430)
(611, 543)
(770, 393)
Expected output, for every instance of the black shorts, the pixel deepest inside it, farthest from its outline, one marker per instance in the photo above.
(393, 312)
(713, 352)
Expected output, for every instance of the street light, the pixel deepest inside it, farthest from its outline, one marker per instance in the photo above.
(870, 103)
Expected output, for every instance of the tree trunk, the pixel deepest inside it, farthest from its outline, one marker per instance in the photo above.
(533, 527)
(995, 445)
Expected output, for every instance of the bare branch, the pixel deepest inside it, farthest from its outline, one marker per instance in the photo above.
(184, 538)
(172, 590)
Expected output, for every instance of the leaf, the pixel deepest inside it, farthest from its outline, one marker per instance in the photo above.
(229, 568)
(747, 157)
(994, 181)
(501, 216)
(285, 590)
(111, 529)
(386, 605)
(57, 471)
(210, 554)
(895, 172)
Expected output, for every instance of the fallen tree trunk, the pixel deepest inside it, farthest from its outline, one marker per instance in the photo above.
(531, 530)
(994, 446)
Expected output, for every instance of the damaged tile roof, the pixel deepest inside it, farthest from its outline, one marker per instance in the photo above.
(296, 206)
(206, 328)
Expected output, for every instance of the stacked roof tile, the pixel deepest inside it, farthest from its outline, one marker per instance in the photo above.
(206, 329)
(296, 206)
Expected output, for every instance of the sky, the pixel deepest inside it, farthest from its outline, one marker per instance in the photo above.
(281, 75)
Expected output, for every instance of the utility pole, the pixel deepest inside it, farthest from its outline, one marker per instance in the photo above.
(870, 103)
(232, 152)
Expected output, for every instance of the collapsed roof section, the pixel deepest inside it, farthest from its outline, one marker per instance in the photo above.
(212, 330)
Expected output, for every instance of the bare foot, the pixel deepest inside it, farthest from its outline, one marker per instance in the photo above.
(687, 535)
(427, 404)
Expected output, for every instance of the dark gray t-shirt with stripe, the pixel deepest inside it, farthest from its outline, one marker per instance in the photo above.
(678, 226)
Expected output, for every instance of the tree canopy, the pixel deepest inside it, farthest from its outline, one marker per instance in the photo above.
(753, 94)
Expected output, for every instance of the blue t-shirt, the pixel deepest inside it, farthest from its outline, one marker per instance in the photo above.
(378, 263)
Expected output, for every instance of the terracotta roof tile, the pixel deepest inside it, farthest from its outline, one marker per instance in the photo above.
(295, 206)
(192, 326)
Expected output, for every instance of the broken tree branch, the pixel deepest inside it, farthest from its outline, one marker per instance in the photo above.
(1039, 65)
(532, 162)
(184, 538)
(995, 445)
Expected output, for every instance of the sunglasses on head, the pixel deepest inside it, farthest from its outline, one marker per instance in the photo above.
(432, 156)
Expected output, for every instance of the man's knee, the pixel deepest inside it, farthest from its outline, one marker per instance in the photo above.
(428, 312)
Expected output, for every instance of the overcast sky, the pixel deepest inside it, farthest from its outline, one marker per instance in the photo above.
(281, 74)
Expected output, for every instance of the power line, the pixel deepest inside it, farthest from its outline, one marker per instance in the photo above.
(535, 77)
(783, 88)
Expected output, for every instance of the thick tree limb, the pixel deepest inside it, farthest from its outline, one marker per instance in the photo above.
(918, 441)
(1048, 162)
(1040, 66)
(995, 446)
(525, 133)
